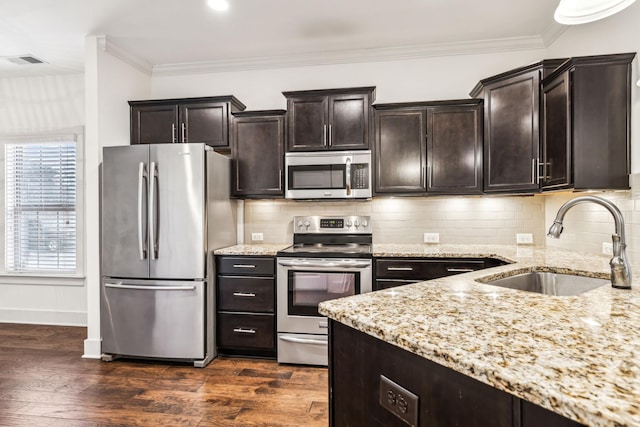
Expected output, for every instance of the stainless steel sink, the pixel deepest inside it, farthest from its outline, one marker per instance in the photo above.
(550, 283)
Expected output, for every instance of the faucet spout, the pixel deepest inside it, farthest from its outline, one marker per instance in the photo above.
(620, 268)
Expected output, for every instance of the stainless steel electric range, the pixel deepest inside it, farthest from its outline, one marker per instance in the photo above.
(330, 258)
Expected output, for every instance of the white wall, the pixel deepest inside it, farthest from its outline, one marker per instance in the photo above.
(34, 105)
(427, 79)
(587, 226)
(110, 83)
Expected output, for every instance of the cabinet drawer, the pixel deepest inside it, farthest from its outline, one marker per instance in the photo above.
(392, 283)
(246, 331)
(426, 269)
(241, 265)
(246, 294)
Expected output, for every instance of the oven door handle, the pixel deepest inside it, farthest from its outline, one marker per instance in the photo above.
(304, 341)
(325, 264)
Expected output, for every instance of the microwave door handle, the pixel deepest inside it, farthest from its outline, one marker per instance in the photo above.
(348, 175)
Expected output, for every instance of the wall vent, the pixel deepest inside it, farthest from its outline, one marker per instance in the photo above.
(25, 60)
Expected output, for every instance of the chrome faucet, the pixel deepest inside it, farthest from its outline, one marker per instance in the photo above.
(620, 269)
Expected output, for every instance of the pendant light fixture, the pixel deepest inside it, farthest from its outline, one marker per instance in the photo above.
(572, 12)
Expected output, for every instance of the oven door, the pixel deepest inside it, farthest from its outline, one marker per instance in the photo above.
(305, 282)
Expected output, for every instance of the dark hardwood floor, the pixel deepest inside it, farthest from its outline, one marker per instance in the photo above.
(45, 382)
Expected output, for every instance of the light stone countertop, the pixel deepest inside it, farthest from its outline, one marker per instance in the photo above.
(578, 356)
(267, 249)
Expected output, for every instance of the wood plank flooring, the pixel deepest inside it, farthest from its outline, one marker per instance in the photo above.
(45, 382)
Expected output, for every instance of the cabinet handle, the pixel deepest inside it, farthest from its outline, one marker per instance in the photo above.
(330, 136)
(244, 294)
(429, 176)
(324, 134)
(184, 132)
(173, 133)
(399, 268)
(460, 270)
(534, 171)
(244, 266)
(244, 331)
(280, 179)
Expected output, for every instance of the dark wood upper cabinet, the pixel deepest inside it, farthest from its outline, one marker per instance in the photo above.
(555, 148)
(400, 149)
(454, 148)
(586, 124)
(430, 147)
(257, 149)
(204, 120)
(335, 119)
(511, 127)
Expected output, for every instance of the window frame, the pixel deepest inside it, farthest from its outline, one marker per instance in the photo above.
(77, 135)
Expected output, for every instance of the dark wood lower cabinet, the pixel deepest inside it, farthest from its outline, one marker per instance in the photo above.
(446, 398)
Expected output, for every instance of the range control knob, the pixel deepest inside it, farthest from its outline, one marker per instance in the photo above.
(365, 223)
(356, 223)
(307, 224)
(348, 223)
(300, 224)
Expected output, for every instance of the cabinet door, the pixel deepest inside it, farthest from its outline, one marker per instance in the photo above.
(308, 123)
(511, 136)
(400, 152)
(154, 124)
(555, 151)
(348, 122)
(205, 122)
(258, 151)
(454, 147)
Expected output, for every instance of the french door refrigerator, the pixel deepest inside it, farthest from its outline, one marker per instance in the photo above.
(164, 209)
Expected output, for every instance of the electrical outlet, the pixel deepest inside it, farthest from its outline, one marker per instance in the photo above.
(524, 239)
(607, 248)
(399, 401)
(432, 237)
(257, 237)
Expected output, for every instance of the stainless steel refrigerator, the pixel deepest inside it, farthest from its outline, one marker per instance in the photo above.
(165, 208)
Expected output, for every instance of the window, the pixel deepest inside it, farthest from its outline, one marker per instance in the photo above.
(40, 205)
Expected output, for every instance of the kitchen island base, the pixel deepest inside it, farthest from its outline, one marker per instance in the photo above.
(445, 397)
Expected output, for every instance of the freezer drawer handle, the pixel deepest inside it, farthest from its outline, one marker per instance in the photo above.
(119, 285)
(244, 266)
(460, 270)
(304, 341)
(244, 331)
(244, 294)
(400, 269)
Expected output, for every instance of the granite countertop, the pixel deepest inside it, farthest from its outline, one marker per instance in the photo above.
(578, 356)
(266, 249)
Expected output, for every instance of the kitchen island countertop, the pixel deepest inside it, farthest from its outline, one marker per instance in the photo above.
(578, 356)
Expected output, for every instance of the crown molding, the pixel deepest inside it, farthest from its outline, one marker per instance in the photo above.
(124, 55)
(352, 56)
(553, 31)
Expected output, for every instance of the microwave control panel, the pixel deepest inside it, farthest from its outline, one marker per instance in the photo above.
(359, 176)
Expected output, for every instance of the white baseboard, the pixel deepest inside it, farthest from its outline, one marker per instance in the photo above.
(43, 317)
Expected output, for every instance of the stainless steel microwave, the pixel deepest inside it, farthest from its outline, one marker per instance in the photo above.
(328, 175)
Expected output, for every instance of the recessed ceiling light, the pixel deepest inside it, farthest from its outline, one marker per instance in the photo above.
(219, 5)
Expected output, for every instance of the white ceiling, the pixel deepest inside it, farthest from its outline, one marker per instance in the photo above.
(165, 35)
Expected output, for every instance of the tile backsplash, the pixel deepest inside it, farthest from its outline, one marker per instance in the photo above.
(472, 220)
(462, 219)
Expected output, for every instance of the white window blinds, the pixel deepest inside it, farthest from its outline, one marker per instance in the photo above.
(40, 207)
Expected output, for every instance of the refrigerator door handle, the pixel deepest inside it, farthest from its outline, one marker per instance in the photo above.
(119, 285)
(142, 175)
(151, 209)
